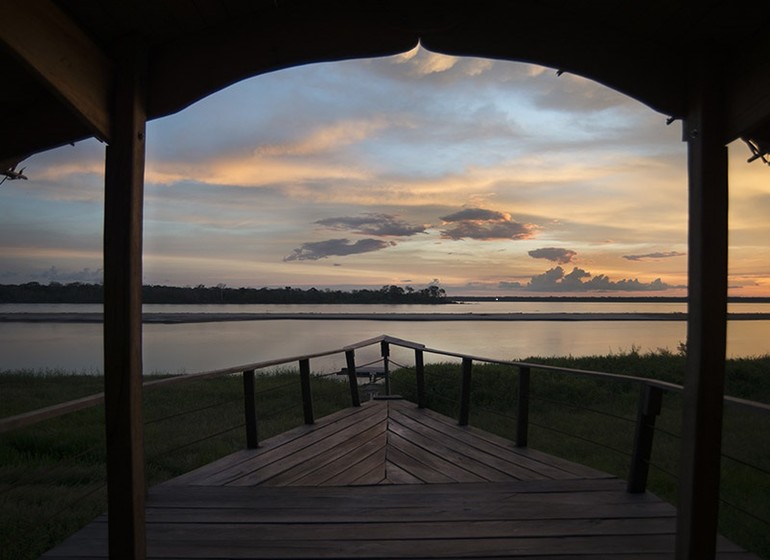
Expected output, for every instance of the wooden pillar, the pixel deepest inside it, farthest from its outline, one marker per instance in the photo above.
(385, 352)
(350, 358)
(522, 409)
(707, 314)
(250, 410)
(419, 370)
(307, 395)
(123, 199)
(650, 402)
(465, 392)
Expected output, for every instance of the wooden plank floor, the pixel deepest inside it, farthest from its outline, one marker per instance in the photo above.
(388, 480)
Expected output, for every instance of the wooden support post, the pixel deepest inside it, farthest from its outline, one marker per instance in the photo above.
(385, 352)
(650, 400)
(419, 369)
(123, 200)
(465, 392)
(698, 510)
(522, 408)
(250, 410)
(307, 397)
(350, 357)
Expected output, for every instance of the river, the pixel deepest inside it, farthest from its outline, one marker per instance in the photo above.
(192, 347)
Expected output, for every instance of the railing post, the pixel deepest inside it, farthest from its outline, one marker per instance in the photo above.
(250, 409)
(307, 397)
(419, 368)
(350, 357)
(465, 392)
(385, 352)
(522, 408)
(650, 400)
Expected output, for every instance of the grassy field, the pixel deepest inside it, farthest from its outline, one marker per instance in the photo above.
(52, 478)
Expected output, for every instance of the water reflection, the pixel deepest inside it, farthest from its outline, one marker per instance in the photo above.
(202, 346)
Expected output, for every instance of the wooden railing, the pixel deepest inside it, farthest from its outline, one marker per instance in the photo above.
(649, 407)
(649, 403)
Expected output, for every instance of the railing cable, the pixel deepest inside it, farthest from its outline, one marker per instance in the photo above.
(745, 464)
(70, 504)
(191, 410)
(189, 444)
(568, 434)
(668, 433)
(744, 512)
(277, 387)
(657, 467)
(367, 364)
(395, 363)
(587, 408)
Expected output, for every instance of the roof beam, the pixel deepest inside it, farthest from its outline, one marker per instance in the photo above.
(62, 56)
(748, 101)
(185, 71)
(22, 130)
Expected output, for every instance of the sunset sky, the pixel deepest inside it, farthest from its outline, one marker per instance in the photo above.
(492, 178)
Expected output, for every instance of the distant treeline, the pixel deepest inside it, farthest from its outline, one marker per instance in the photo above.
(77, 292)
(613, 298)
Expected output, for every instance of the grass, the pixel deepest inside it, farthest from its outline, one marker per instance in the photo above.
(52, 475)
(52, 478)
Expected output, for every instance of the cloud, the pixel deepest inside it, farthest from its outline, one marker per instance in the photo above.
(372, 223)
(577, 94)
(477, 214)
(483, 224)
(486, 231)
(420, 62)
(314, 251)
(555, 254)
(328, 137)
(579, 280)
(654, 256)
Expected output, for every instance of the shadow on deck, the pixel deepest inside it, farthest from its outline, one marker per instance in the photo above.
(389, 480)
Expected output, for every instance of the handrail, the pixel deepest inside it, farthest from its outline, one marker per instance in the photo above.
(33, 417)
(665, 385)
(30, 418)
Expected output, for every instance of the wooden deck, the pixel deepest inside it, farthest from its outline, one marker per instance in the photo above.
(388, 480)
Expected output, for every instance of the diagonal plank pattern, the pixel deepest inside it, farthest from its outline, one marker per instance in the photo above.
(384, 442)
(389, 480)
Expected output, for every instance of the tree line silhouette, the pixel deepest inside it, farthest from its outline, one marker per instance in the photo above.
(78, 292)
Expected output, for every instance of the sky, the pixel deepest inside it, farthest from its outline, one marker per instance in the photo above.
(486, 177)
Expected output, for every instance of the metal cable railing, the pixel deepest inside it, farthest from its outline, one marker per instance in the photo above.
(745, 464)
(663, 470)
(189, 411)
(649, 402)
(585, 408)
(581, 438)
(197, 441)
(744, 512)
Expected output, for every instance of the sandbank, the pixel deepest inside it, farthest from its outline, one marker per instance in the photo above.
(175, 318)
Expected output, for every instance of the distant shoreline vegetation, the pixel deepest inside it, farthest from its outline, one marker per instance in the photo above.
(79, 292)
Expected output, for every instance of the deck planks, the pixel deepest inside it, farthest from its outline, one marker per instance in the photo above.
(420, 447)
(389, 480)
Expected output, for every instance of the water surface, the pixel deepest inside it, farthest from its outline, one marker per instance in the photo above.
(203, 346)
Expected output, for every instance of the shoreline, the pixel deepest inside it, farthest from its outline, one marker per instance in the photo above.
(182, 318)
